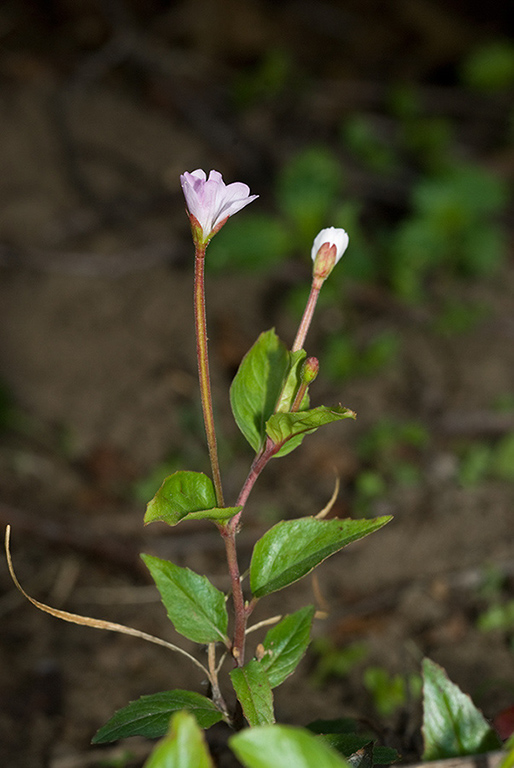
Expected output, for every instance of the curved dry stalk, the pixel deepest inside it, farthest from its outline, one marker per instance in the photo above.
(88, 621)
(220, 663)
(217, 696)
(326, 509)
(265, 623)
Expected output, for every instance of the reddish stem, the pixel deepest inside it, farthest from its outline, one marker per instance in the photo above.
(307, 315)
(203, 370)
(238, 643)
(228, 532)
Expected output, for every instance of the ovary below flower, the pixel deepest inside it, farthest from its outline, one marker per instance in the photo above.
(328, 247)
(210, 201)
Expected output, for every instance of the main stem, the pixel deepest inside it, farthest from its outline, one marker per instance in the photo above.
(229, 532)
(203, 370)
(238, 642)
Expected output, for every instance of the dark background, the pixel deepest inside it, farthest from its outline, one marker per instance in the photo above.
(102, 106)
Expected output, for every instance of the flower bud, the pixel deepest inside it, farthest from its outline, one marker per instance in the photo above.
(310, 370)
(328, 247)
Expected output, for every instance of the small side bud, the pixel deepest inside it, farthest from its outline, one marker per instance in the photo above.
(310, 370)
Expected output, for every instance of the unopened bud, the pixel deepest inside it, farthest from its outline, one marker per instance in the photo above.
(328, 247)
(310, 370)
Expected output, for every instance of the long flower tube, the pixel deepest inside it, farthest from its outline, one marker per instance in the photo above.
(210, 202)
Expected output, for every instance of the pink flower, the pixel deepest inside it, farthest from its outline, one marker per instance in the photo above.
(210, 201)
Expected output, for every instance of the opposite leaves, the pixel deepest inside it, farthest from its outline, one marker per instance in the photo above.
(292, 548)
(195, 607)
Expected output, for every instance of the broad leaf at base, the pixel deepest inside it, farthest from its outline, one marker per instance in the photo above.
(271, 746)
(183, 747)
(149, 716)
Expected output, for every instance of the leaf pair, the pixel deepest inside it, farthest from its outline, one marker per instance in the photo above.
(261, 396)
(284, 646)
(286, 553)
(452, 727)
(263, 392)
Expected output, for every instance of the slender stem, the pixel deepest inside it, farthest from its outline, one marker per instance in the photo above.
(203, 370)
(307, 315)
(238, 644)
(258, 464)
(302, 389)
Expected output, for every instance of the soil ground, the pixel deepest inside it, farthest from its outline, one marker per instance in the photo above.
(97, 349)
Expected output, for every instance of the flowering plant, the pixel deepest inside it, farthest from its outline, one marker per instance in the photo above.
(270, 401)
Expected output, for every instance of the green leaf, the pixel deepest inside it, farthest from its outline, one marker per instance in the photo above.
(280, 745)
(183, 747)
(257, 386)
(452, 725)
(285, 645)
(195, 607)
(292, 548)
(281, 427)
(253, 690)
(149, 716)
(188, 495)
